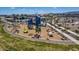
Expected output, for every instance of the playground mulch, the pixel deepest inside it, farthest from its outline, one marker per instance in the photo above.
(43, 33)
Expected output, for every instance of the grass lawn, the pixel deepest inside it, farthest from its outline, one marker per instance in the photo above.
(9, 43)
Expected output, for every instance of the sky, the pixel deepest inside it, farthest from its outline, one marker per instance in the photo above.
(36, 10)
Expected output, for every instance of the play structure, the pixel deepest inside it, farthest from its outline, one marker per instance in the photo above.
(33, 28)
(30, 24)
(38, 23)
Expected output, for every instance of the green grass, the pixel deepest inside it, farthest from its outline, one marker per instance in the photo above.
(10, 43)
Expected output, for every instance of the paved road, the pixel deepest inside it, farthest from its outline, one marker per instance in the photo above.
(66, 35)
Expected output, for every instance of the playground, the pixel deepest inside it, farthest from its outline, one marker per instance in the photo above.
(24, 31)
(34, 30)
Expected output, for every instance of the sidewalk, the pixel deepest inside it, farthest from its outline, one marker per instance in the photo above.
(66, 35)
(68, 31)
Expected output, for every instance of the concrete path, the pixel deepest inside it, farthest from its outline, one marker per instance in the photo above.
(69, 31)
(66, 35)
